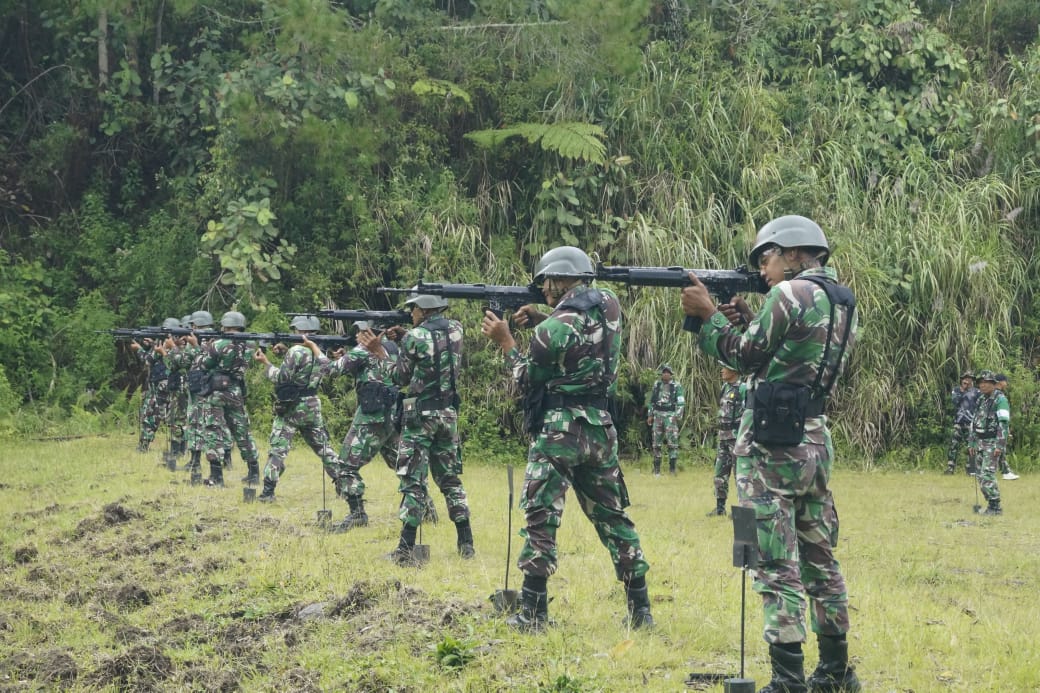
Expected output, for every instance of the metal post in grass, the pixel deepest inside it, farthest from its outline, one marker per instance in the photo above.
(745, 557)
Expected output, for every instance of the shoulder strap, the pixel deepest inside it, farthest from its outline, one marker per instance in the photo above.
(838, 295)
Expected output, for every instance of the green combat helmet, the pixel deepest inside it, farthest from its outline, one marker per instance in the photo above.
(305, 323)
(233, 318)
(202, 318)
(987, 375)
(169, 323)
(426, 301)
(791, 231)
(565, 261)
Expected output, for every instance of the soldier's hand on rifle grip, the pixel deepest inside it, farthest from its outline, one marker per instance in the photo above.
(497, 330)
(192, 339)
(696, 301)
(395, 332)
(371, 341)
(528, 316)
(259, 355)
(737, 312)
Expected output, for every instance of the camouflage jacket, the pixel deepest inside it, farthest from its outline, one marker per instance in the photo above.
(228, 357)
(156, 365)
(731, 408)
(666, 398)
(965, 403)
(784, 343)
(299, 368)
(574, 352)
(364, 367)
(992, 419)
(428, 364)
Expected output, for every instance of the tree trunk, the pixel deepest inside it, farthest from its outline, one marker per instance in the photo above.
(102, 50)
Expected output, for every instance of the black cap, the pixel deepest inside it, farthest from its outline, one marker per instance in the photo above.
(1001, 378)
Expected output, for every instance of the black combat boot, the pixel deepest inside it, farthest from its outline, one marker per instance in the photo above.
(994, 508)
(720, 508)
(252, 473)
(657, 466)
(638, 604)
(267, 495)
(216, 474)
(465, 543)
(950, 468)
(788, 669)
(357, 517)
(534, 610)
(195, 467)
(403, 555)
(227, 459)
(834, 674)
(142, 445)
(672, 466)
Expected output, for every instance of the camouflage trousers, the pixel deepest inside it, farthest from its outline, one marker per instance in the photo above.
(305, 417)
(195, 423)
(988, 458)
(797, 532)
(155, 407)
(360, 445)
(178, 416)
(430, 446)
(227, 420)
(665, 432)
(724, 459)
(958, 439)
(585, 458)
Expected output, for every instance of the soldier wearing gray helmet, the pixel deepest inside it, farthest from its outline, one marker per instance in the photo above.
(426, 370)
(155, 400)
(297, 406)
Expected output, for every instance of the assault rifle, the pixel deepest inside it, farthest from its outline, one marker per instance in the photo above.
(723, 284)
(498, 299)
(375, 317)
(261, 339)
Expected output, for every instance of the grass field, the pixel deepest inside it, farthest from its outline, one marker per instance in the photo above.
(118, 575)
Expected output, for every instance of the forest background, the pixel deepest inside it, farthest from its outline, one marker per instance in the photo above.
(163, 156)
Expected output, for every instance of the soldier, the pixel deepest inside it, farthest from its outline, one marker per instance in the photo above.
(965, 399)
(427, 369)
(1005, 467)
(989, 435)
(155, 401)
(297, 406)
(664, 409)
(567, 376)
(226, 362)
(731, 407)
(793, 351)
(178, 386)
(372, 430)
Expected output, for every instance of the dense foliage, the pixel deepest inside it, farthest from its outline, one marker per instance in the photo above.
(161, 156)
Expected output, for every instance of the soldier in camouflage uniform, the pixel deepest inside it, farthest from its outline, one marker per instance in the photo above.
(226, 362)
(664, 409)
(989, 436)
(297, 406)
(965, 398)
(792, 349)
(178, 386)
(373, 429)
(1005, 466)
(155, 401)
(568, 375)
(426, 370)
(731, 408)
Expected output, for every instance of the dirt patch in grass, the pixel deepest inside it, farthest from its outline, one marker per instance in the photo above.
(111, 515)
(26, 554)
(49, 666)
(141, 668)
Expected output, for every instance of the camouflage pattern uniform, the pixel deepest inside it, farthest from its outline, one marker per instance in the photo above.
(666, 404)
(788, 485)
(225, 407)
(177, 384)
(731, 408)
(188, 358)
(369, 433)
(155, 400)
(989, 435)
(430, 438)
(302, 369)
(574, 355)
(964, 403)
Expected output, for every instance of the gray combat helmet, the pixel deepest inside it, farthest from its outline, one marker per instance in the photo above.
(565, 261)
(170, 323)
(791, 231)
(305, 323)
(426, 301)
(186, 321)
(233, 318)
(202, 318)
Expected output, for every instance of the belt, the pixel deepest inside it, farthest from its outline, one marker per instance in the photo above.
(555, 401)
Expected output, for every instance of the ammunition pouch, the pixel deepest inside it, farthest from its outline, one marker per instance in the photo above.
(449, 401)
(173, 382)
(986, 435)
(219, 382)
(780, 411)
(375, 397)
(534, 410)
(538, 402)
(198, 383)
(157, 373)
(664, 407)
(288, 395)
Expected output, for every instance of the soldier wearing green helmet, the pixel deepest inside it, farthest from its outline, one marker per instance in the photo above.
(989, 437)
(793, 350)
(567, 376)
(664, 410)
(426, 370)
(155, 398)
(731, 408)
(297, 406)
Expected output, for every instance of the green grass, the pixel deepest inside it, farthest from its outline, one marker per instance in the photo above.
(174, 587)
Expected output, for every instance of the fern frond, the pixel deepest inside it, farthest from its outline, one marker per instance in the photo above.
(440, 87)
(570, 140)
